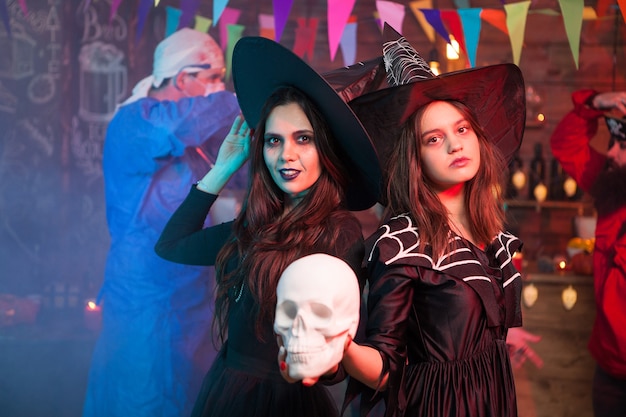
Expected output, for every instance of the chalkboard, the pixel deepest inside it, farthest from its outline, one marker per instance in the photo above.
(64, 67)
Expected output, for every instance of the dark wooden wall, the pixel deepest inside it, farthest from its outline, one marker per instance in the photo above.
(53, 234)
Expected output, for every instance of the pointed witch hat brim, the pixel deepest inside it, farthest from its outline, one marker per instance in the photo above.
(260, 66)
(495, 93)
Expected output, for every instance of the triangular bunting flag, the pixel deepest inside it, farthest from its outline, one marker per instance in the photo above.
(234, 34)
(392, 13)
(516, 14)
(338, 12)
(266, 26)
(348, 42)
(496, 18)
(203, 24)
(281, 14)
(115, 4)
(470, 19)
(142, 14)
(172, 17)
(219, 6)
(306, 33)
(572, 11)
(229, 17)
(434, 19)
(415, 7)
(302, 39)
(622, 8)
(453, 21)
(313, 23)
(189, 9)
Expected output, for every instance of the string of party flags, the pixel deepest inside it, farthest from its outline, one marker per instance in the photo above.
(464, 23)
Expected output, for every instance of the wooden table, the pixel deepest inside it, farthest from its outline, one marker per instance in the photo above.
(562, 388)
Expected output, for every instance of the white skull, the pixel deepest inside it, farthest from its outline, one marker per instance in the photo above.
(317, 307)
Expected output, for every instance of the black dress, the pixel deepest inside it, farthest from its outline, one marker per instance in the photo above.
(244, 379)
(441, 324)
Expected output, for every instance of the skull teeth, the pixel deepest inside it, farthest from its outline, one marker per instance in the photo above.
(299, 357)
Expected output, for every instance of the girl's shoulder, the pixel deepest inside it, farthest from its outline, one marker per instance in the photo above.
(398, 240)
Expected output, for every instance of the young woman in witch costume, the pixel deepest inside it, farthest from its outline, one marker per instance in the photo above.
(311, 161)
(443, 290)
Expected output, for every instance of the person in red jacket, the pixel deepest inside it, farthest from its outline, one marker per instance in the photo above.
(603, 176)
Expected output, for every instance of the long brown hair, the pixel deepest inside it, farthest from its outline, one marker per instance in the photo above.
(411, 191)
(266, 240)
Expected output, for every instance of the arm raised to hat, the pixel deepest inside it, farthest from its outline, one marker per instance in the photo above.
(233, 153)
(570, 140)
(609, 101)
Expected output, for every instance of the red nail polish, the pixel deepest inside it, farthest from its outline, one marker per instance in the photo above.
(283, 365)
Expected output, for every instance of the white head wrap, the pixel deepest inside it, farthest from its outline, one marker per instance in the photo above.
(183, 48)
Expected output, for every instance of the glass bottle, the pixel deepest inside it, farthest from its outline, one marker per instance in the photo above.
(557, 179)
(536, 171)
(517, 177)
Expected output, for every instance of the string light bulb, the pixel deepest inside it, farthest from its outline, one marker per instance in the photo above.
(540, 192)
(570, 186)
(518, 179)
(569, 297)
(452, 49)
(530, 295)
(433, 62)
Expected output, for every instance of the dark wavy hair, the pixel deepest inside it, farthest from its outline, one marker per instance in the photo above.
(266, 239)
(411, 191)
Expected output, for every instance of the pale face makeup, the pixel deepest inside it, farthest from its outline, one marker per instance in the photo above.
(289, 151)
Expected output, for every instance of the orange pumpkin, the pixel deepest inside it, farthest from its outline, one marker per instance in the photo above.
(582, 263)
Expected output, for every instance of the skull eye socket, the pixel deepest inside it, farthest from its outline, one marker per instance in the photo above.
(321, 311)
(288, 309)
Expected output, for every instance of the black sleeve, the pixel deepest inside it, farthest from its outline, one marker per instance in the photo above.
(184, 240)
(350, 247)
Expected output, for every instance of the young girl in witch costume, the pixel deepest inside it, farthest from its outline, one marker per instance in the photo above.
(443, 291)
(311, 161)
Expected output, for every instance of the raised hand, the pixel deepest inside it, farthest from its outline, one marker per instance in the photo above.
(235, 149)
(609, 101)
(233, 153)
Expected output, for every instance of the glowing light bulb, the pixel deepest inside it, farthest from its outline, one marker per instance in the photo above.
(570, 186)
(452, 49)
(568, 297)
(434, 67)
(540, 192)
(530, 295)
(518, 179)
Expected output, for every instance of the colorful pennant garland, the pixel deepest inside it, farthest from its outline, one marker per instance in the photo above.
(464, 23)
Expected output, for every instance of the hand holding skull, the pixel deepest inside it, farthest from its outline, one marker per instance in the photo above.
(317, 314)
